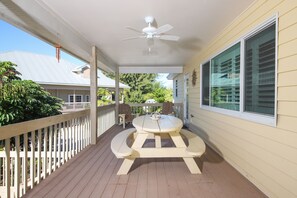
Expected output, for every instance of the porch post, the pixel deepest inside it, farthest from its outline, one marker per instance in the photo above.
(117, 93)
(93, 95)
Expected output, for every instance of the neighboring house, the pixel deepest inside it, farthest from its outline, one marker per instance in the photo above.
(62, 79)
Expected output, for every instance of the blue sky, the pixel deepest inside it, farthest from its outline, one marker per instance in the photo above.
(12, 38)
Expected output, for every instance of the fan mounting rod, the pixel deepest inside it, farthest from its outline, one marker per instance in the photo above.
(149, 30)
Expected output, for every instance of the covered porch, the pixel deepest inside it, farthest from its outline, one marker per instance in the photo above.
(92, 173)
(70, 155)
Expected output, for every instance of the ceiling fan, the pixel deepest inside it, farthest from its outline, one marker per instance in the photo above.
(151, 32)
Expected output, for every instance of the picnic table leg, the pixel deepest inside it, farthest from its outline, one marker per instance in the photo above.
(158, 141)
(190, 162)
(126, 165)
(128, 161)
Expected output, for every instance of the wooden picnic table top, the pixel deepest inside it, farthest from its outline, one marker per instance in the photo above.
(165, 124)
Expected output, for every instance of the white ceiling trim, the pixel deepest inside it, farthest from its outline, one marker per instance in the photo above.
(171, 76)
(154, 69)
(33, 18)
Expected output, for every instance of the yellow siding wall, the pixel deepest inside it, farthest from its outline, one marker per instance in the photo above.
(266, 155)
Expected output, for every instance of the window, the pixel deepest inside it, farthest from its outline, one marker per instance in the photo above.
(78, 98)
(205, 83)
(221, 83)
(87, 98)
(260, 72)
(176, 90)
(225, 79)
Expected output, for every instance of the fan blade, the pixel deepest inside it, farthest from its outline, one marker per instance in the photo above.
(131, 38)
(134, 29)
(168, 37)
(163, 29)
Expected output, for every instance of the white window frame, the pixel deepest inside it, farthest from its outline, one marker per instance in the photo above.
(258, 118)
(75, 95)
(87, 98)
(176, 88)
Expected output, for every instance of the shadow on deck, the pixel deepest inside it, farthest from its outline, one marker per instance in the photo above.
(92, 173)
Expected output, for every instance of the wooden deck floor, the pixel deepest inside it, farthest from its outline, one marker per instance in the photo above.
(92, 173)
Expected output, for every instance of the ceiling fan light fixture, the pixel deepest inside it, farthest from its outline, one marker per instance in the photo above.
(151, 32)
(149, 19)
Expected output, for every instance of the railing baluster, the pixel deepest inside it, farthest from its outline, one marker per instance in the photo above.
(84, 132)
(50, 148)
(80, 133)
(72, 139)
(67, 140)
(32, 160)
(7, 166)
(25, 163)
(63, 140)
(76, 135)
(59, 145)
(39, 156)
(17, 167)
(55, 147)
(45, 161)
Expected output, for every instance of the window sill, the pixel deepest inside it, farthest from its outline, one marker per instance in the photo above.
(257, 118)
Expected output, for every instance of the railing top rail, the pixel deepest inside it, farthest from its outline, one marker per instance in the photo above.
(144, 104)
(71, 103)
(12, 130)
(104, 107)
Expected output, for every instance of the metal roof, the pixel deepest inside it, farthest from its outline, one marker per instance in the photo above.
(46, 70)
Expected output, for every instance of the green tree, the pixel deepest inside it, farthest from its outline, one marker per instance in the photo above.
(22, 100)
(140, 85)
(8, 72)
(159, 93)
(143, 87)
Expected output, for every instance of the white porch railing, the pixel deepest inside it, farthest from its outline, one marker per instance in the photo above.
(146, 108)
(106, 118)
(72, 106)
(32, 150)
(36, 148)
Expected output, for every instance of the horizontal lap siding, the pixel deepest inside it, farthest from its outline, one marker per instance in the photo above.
(266, 155)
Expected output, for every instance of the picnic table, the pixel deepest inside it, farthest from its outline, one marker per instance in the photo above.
(146, 128)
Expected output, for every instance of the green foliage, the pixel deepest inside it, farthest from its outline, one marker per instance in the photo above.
(8, 72)
(103, 94)
(159, 93)
(143, 87)
(140, 85)
(22, 100)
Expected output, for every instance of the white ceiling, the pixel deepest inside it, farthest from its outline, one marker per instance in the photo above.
(102, 23)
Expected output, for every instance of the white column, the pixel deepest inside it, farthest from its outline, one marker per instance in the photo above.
(93, 95)
(117, 93)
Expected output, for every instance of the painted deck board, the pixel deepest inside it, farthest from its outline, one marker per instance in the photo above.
(92, 173)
